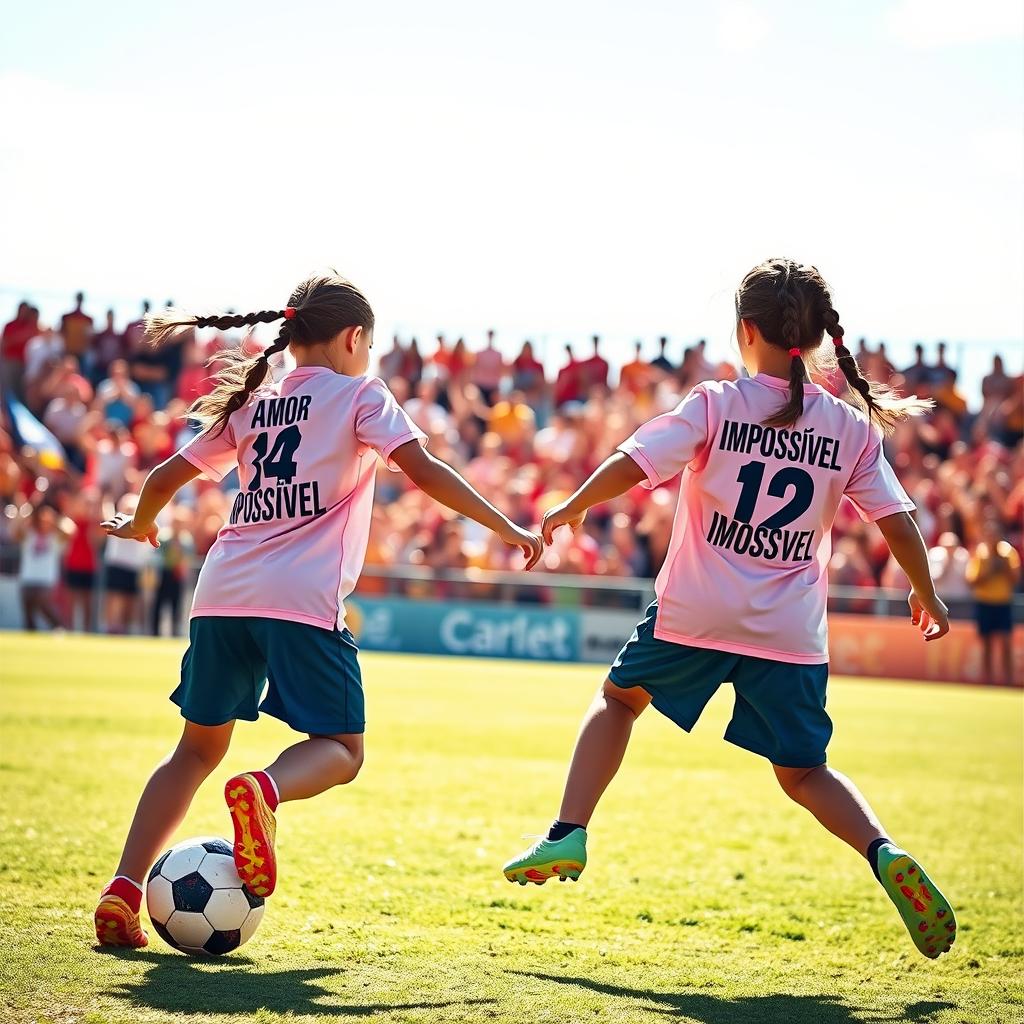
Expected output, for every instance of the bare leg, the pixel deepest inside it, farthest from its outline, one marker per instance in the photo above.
(168, 794)
(1007, 639)
(600, 747)
(49, 611)
(986, 650)
(316, 765)
(28, 609)
(89, 609)
(835, 801)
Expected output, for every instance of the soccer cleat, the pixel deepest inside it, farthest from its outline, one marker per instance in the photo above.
(925, 911)
(255, 828)
(117, 924)
(550, 858)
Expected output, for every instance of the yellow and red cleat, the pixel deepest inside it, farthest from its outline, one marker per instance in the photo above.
(117, 923)
(255, 829)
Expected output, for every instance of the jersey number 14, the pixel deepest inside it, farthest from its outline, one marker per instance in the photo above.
(279, 463)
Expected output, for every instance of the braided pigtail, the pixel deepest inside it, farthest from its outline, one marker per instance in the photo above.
(789, 304)
(239, 376)
(162, 326)
(879, 401)
(318, 310)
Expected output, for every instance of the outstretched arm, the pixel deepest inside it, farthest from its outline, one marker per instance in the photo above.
(446, 486)
(616, 475)
(161, 485)
(907, 547)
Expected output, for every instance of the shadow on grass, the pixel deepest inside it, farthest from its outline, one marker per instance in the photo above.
(777, 1008)
(185, 987)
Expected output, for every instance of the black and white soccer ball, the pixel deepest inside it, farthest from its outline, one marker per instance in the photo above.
(196, 900)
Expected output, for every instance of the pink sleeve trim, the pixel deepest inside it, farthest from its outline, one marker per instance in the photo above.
(886, 510)
(201, 464)
(633, 451)
(412, 435)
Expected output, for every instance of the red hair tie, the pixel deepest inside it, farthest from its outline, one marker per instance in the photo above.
(838, 342)
(794, 352)
(289, 312)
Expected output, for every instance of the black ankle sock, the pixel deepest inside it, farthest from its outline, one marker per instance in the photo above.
(560, 829)
(872, 855)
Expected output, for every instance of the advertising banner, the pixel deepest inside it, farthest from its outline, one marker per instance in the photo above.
(861, 645)
(480, 630)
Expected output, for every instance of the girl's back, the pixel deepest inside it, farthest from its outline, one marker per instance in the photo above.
(746, 568)
(306, 449)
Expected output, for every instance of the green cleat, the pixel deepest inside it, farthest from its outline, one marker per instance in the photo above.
(925, 911)
(561, 859)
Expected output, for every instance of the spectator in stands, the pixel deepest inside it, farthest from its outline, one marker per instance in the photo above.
(997, 385)
(85, 538)
(512, 420)
(392, 361)
(196, 377)
(489, 370)
(118, 394)
(412, 363)
(135, 333)
(948, 561)
(77, 328)
(993, 573)
(65, 417)
(942, 374)
(16, 336)
(439, 365)
(918, 374)
(156, 370)
(107, 346)
(425, 410)
(594, 371)
(43, 537)
(43, 355)
(173, 558)
(569, 382)
(123, 561)
(528, 377)
(636, 374)
(661, 361)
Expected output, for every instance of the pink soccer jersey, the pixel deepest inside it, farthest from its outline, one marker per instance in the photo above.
(306, 450)
(751, 541)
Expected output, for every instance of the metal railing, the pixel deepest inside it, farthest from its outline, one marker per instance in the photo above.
(539, 588)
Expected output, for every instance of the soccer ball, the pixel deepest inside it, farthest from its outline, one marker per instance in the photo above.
(196, 900)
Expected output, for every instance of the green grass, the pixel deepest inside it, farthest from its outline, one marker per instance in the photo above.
(709, 897)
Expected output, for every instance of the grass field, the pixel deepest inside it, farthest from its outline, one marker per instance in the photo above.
(709, 898)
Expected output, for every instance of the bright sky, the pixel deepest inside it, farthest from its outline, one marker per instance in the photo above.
(548, 168)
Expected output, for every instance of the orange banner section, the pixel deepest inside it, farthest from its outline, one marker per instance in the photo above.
(868, 645)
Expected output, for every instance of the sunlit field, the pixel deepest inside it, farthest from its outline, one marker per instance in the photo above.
(709, 897)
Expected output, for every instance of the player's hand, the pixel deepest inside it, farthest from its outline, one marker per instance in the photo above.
(529, 543)
(124, 526)
(930, 615)
(559, 516)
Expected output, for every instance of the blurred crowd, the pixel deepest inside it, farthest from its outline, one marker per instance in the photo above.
(525, 438)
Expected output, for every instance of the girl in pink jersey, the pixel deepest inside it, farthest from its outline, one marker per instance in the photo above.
(741, 598)
(269, 606)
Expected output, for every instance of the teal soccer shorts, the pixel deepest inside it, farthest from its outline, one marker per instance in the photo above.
(780, 707)
(311, 675)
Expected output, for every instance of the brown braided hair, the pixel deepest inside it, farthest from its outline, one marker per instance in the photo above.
(321, 306)
(792, 307)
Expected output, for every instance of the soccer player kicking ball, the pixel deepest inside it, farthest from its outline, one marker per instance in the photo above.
(269, 605)
(741, 596)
